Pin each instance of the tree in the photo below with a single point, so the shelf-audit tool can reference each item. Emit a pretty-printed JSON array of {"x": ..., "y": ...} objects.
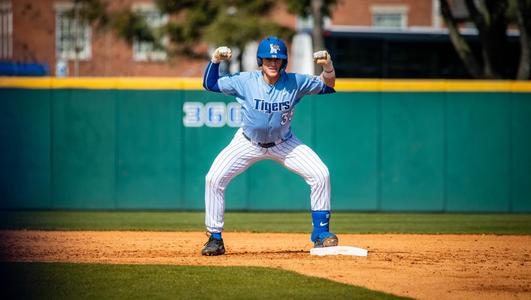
[
  {"x": 523, "y": 16},
  {"x": 92, "y": 11},
  {"x": 318, "y": 10},
  {"x": 491, "y": 18},
  {"x": 233, "y": 23}
]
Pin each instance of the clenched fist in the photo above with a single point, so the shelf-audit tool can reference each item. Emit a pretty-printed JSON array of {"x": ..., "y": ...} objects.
[
  {"x": 221, "y": 53},
  {"x": 323, "y": 58}
]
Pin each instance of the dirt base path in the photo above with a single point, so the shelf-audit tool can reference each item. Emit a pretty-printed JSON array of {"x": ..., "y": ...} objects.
[{"x": 419, "y": 266}]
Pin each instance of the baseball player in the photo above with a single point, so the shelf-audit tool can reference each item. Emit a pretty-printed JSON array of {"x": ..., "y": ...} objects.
[{"x": 268, "y": 97}]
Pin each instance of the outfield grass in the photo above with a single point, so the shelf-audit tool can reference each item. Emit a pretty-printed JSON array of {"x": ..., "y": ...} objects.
[
  {"x": 269, "y": 222},
  {"x": 89, "y": 281}
]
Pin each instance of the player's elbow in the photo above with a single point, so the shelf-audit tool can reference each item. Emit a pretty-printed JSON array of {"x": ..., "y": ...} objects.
[
  {"x": 211, "y": 85},
  {"x": 206, "y": 85},
  {"x": 329, "y": 79},
  {"x": 328, "y": 90}
]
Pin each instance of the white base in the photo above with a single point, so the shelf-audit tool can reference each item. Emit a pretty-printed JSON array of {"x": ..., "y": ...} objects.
[{"x": 338, "y": 250}]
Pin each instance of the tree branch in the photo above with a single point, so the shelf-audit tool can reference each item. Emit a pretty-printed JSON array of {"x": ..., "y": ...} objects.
[
  {"x": 460, "y": 45},
  {"x": 492, "y": 25},
  {"x": 523, "y": 15},
  {"x": 475, "y": 15},
  {"x": 317, "y": 34}
]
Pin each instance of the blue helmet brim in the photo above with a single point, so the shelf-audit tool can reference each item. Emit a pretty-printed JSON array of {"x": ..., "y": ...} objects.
[{"x": 279, "y": 56}]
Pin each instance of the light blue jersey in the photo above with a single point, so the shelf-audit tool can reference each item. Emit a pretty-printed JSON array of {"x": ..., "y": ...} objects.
[{"x": 267, "y": 109}]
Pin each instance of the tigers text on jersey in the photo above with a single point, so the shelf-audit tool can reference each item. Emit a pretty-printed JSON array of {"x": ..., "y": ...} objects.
[{"x": 267, "y": 109}]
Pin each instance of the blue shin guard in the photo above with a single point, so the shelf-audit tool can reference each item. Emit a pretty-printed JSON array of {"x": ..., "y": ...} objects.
[
  {"x": 321, "y": 224},
  {"x": 216, "y": 235}
]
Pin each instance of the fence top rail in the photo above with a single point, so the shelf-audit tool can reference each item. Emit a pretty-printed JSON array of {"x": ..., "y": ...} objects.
[{"x": 190, "y": 83}]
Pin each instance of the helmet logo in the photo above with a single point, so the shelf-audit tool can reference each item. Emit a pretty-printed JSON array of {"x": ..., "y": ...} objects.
[{"x": 274, "y": 48}]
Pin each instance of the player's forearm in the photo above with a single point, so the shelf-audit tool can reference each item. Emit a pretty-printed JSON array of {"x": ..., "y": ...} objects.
[
  {"x": 210, "y": 79},
  {"x": 211, "y": 76},
  {"x": 328, "y": 76}
]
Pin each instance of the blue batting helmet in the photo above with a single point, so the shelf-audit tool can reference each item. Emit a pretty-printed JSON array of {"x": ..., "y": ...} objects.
[{"x": 272, "y": 47}]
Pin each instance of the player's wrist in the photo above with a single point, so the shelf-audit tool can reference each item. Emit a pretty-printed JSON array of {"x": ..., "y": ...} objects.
[{"x": 328, "y": 68}]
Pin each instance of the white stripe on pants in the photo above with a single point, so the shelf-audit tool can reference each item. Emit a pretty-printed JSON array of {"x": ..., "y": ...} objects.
[{"x": 240, "y": 154}]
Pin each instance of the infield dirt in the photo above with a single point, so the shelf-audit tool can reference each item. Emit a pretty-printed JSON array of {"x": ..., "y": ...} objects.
[{"x": 419, "y": 266}]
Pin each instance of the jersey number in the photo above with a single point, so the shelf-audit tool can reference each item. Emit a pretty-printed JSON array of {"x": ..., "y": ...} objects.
[{"x": 286, "y": 117}]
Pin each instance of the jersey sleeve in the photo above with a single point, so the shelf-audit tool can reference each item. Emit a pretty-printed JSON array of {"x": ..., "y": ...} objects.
[
  {"x": 232, "y": 85},
  {"x": 311, "y": 85},
  {"x": 211, "y": 76}
]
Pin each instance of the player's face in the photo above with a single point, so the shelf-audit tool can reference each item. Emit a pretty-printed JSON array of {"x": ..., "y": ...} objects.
[{"x": 271, "y": 66}]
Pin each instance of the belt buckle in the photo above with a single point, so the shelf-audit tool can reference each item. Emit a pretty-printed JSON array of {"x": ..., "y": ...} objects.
[
  {"x": 263, "y": 145},
  {"x": 266, "y": 145},
  {"x": 271, "y": 144}
]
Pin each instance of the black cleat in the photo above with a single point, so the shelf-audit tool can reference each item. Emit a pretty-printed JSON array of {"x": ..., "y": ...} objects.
[{"x": 213, "y": 247}]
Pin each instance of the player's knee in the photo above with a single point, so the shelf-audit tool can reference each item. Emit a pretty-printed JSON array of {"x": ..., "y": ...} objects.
[
  {"x": 324, "y": 175},
  {"x": 210, "y": 180},
  {"x": 321, "y": 175}
]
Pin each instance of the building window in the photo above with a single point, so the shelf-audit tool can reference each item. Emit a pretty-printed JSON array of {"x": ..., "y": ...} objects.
[
  {"x": 155, "y": 20},
  {"x": 306, "y": 23},
  {"x": 6, "y": 30},
  {"x": 72, "y": 39},
  {"x": 387, "y": 20},
  {"x": 389, "y": 16}
]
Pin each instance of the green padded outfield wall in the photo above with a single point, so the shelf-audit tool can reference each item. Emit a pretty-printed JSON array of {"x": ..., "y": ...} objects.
[{"x": 434, "y": 146}]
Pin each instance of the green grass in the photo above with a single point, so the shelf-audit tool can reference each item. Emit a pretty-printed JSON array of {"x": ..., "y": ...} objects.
[
  {"x": 269, "y": 222},
  {"x": 90, "y": 281},
  {"x": 100, "y": 281}
]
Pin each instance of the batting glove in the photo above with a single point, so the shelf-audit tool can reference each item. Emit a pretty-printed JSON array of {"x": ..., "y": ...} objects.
[
  {"x": 221, "y": 53},
  {"x": 323, "y": 58}
]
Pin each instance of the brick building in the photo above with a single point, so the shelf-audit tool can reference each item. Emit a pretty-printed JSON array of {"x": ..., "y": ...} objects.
[{"x": 42, "y": 32}]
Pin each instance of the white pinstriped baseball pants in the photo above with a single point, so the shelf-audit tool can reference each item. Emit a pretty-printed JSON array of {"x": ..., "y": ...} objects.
[{"x": 240, "y": 154}]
